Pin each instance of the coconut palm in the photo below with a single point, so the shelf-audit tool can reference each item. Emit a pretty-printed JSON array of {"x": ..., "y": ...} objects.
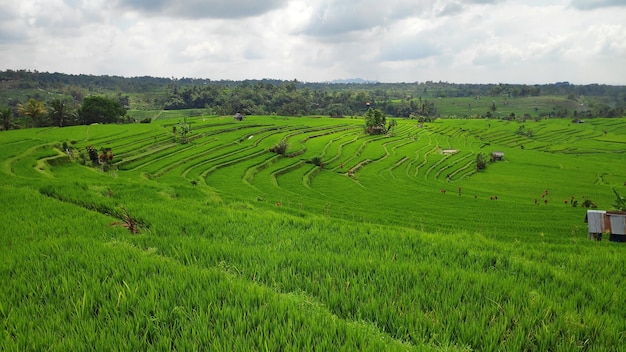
[
  {"x": 34, "y": 109},
  {"x": 6, "y": 114},
  {"x": 58, "y": 112}
]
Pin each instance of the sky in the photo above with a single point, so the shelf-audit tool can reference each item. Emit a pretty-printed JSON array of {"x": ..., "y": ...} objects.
[{"x": 456, "y": 41}]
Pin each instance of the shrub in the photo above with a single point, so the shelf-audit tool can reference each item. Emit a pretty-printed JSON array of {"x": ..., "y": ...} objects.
[
  {"x": 128, "y": 221},
  {"x": 93, "y": 154},
  {"x": 620, "y": 202},
  {"x": 481, "y": 161},
  {"x": 280, "y": 148},
  {"x": 523, "y": 131},
  {"x": 588, "y": 203}
]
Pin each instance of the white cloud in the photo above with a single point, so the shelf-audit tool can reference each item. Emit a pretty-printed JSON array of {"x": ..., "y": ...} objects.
[
  {"x": 317, "y": 40},
  {"x": 201, "y": 8},
  {"x": 596, "y": 4}
]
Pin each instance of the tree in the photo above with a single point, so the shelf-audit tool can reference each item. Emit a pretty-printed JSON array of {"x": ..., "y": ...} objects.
[
  {"x": 523, "y": 131},
  {"x": 34, "y": 109},
  {"x": 58, "y": 112},
  {"x": 185, "y": 131},
  {"x": 6, "y": 114},
  {"x": 375, "y": 121},
  {"x": 100, "y": 110},
  {"x": 280, "y": 148},
  {"x": 481, "y": 161},
  {"x": 392, "y": 124}
]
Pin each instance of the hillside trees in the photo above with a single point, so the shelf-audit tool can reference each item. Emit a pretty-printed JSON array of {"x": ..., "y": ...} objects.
[
  {"x": 295, "y": 98},
  {"x": 98, "y": 109},
  {"x": 426, "y": 108},
  {"x": 261, "y": 98}
]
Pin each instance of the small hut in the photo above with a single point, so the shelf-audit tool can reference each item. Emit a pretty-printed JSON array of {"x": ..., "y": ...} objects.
[
  {"x": 617, "y": 219},
  {"x": 597, "y": 223},
  {"x": 497, "y": 156},
  {"x": 601, "y": 222},
  {"x": 449, "y": 151},
  {"x": 238, "y": 116}
]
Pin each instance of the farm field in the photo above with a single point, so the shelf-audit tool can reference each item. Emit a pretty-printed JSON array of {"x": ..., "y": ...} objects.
[
  {"x": 392, "y": 242},
  {"x": 464, "y": 107}
]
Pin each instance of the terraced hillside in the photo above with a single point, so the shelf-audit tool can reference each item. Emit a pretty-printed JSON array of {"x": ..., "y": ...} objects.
[
  {"x": 403, "y": 174},
  {"x": 388, "y": 242}
]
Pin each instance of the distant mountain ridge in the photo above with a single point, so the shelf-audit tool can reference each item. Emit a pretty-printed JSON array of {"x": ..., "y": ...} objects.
[{"x": 351, "y": 81}]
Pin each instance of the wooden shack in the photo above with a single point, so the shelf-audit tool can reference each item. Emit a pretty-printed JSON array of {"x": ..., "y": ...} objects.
[{"x": 238, "y": 116}]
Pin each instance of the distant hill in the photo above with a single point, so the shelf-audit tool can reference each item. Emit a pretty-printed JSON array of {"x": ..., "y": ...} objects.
[{"x": 352, "y": 81}]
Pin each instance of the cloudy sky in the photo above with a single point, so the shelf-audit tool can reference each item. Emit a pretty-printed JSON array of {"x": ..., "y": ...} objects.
[{"x": 461, "y": 41}]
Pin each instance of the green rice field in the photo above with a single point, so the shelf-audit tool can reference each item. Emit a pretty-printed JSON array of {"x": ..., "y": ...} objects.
[{"x": 346, "y": 242}]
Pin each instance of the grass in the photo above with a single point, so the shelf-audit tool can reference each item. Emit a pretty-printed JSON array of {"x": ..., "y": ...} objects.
[{"x": 242, "y": 249}]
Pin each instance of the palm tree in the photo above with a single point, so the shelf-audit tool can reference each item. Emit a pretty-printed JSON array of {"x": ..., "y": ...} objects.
[
  {"x": 58, "y": 112},
  {"x": 6, "y": 114},
  {"x": 34, "y": 109}
]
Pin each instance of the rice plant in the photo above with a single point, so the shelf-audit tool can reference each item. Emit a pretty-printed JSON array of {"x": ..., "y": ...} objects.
[{"x": 231, "y": 247}]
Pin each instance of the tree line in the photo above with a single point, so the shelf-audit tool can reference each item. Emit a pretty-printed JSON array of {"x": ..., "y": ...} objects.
[
  {"x": 35, "y": 99},
  {"x": 60, "y": 113}
]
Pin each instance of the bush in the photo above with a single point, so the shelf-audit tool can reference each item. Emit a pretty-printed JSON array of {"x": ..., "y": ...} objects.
[
  {"x": 481, "y": 161},
  {"x": 145, "y": 120},
  {"x": 620, "y": 202},
  {"x": 588, "y": 203},
  {"x": 523, "y": 131},
  {"x": 93, "y": 154},
  {"x": 280, "y": 148}
]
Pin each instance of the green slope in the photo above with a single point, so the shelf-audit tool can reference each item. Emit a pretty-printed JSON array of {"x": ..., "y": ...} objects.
[{"x": 264, "y": 252}]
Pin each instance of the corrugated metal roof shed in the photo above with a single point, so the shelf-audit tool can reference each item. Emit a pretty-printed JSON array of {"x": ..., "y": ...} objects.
[
  {"x": 595, "y": 220},
  {"x": 618, "y": 222},
  {"x": 609, "y": 222},
  {"x": 596, "y": 223}
]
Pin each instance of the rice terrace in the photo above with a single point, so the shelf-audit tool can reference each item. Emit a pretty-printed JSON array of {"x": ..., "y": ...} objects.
[{"x": 270, "y": 232}]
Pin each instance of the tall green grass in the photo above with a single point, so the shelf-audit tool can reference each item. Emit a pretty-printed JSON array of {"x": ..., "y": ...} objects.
[{"x": 275, "y": 253}]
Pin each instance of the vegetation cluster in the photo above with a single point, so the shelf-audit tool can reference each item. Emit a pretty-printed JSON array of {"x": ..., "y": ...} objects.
[{"x": 37, "y": 99}]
